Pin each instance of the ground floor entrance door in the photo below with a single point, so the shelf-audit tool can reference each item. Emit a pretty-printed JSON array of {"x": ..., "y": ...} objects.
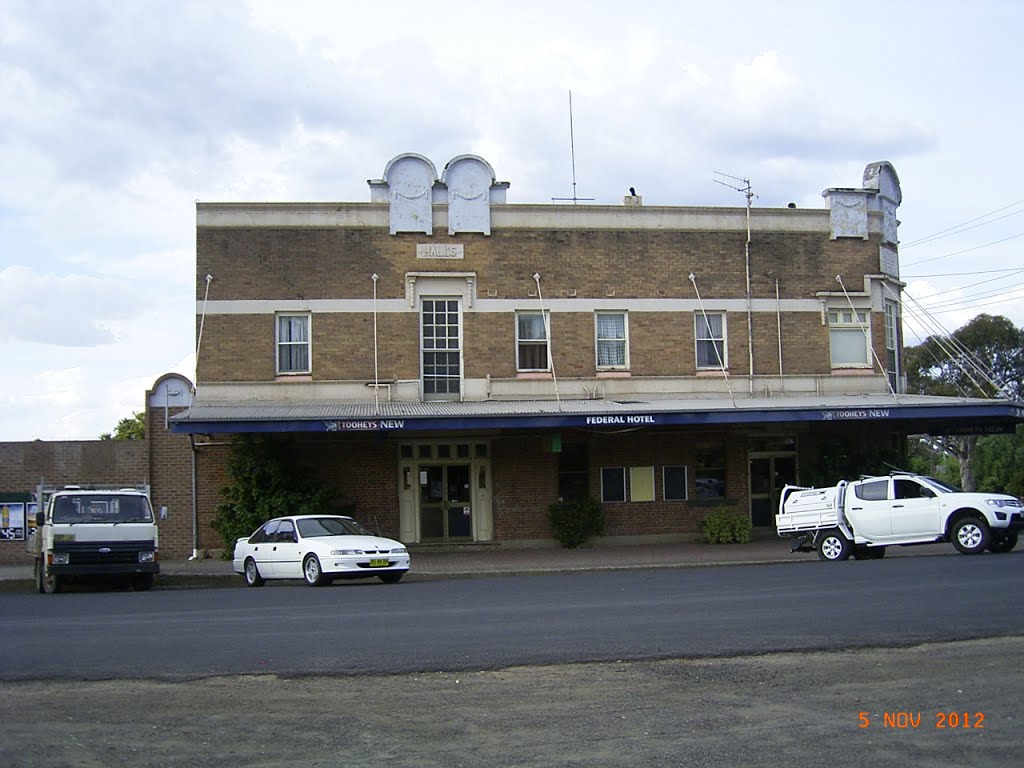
[
  {"x": 769, "y": 474},
  {"x": 446, "y": 502}
]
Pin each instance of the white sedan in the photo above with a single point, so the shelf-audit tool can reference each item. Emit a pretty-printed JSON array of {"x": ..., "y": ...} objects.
[{"x": 319, "y": 549}]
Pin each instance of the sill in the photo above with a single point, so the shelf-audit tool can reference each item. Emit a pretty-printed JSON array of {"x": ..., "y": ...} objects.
[
  {"x": 293, "y": 377},
  {"x": 613, "y": 374},
  {"x": 865, "y": 371},
  {"x": 534, "y": 375},
  {"x": 712, "y": 373}
]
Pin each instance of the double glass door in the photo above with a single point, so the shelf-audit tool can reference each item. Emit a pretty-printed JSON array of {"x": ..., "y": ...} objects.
[
  {"x": 446, "y": 502},
  {"x": 768, "y": 476}
]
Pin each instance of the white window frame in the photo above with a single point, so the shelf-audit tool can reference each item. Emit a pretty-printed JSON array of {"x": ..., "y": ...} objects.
[
  {"x": 546, "y": 341},
  {"x": 891, "y": 314},
  {"x": 307, "y": 343},
  {"x": 624, "y": 341},
  {"x": 847, "y": 322},
  {"x": 699, "y": 324}
]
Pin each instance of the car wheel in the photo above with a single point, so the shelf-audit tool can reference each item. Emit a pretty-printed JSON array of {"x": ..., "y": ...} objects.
[
  {"x": 876, "y": 553},
  {"x": 391, "y": 578},
  {"x": 860, "y": 552},
  {"x": 970, "y": 535},
  {"x": 49, "y": 583},
  {"x": 1004, "y": 543},
  {"x": 312, "y": 573},
  {"x": 834, "y": 546},
  {"x": 252, "y": 574}
]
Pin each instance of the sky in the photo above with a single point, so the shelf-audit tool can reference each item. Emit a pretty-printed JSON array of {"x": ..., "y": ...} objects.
[{"x": 116, "y": 117}]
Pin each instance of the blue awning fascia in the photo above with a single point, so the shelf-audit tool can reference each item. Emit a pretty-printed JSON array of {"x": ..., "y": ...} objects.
[{"x": 1001, "y": 415}]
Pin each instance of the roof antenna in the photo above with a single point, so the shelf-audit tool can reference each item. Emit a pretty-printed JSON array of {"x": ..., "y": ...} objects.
[
  {"x": 572, "y": 152},
  {"x": 748, "y": 193}
]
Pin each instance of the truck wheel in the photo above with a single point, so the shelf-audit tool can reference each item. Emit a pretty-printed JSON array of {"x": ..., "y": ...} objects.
[
  {"x": 252, "y": 574},
  {"x": 876, "y": 553},
  {"x": 1004, "y": 543},
  {"x": 970, "y": 535},
  {"x": 834, "y": 546},
  {"x": 49, "y": 583}
]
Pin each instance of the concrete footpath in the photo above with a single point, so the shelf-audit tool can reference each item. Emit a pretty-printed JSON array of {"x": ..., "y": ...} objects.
[{"x": 454, "y": 561}]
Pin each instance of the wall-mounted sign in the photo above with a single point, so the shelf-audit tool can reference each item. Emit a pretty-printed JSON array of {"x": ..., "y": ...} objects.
[
  {"x": 12, "y": 521},
  {"x": 439, "y": 251}
]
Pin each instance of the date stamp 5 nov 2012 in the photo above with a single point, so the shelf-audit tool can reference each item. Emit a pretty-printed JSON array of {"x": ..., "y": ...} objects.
[{"x": 940, "y": 721}]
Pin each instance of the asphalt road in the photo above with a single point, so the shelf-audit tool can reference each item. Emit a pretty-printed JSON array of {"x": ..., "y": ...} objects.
[{"x": 492, "y": 623}]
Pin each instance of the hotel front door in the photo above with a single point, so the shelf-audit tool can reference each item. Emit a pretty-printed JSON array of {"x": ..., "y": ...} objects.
[{"x": 446, "y": 503}]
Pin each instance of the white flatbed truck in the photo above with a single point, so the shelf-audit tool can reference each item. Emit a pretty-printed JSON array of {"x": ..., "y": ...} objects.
[
  {"x": 862, "y": 517},
  {"x": 85, "y": 532}
]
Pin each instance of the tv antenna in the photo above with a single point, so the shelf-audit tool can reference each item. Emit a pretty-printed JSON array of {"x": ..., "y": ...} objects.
[
  {"x": 572, "y": 152},
  {"x": 748, "y": 192}
]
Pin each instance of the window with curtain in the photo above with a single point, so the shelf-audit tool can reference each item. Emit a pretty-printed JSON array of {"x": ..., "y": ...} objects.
[
  {"x": 293, "y": 342},
  {"x": 848, "y": 333},
  {"x": 531, "y": 342},
  {"x": 612, "y": 351},
  {"x": 710, "y": 336}
]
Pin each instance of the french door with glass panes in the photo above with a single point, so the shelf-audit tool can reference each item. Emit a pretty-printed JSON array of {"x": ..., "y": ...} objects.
[{"x": 441, "y": 349}]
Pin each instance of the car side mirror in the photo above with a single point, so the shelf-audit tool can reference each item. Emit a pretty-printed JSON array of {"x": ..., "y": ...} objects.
[{"x": 40, "y": 519}]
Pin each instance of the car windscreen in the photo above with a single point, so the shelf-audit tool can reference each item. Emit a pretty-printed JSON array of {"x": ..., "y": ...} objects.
[
  {"x": 311, "y": 527},
  {"x": 105, "y": 508}
]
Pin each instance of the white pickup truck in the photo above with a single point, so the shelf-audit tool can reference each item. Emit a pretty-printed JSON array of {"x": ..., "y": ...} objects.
[{"x": 862, "y": 517}]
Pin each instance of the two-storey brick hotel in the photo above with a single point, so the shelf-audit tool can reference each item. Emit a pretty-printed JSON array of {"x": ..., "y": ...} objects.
[{"x": 453, "y": 363}]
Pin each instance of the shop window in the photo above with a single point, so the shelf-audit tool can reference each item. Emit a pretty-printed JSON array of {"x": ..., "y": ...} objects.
[
  {"x": 709, "y": 473},
  {"x": 641, "y": 483},
  {"x": 674, "y": 483},
  {"x": 613, "y": 484}
]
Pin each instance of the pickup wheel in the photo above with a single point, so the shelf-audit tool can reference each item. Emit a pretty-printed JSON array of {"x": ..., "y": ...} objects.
[
  {"x": 1004, "y": 543},
  {"x": 970, "y": 535},
  {"x": 834, "y": 546},
  {"x": 876, "y": 553}
]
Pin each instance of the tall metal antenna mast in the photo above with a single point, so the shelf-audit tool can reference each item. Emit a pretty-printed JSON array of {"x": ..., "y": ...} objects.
[
  {"x": 572, "y": 152},
  {"x": 747, "y": 192}
]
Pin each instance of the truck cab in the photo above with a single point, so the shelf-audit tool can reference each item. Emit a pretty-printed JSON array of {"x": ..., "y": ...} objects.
[{"x": 94, "y": 532}]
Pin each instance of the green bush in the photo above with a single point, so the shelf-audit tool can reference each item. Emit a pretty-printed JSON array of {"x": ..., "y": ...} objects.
[
  {"x": 724, "y": 526},
  {"x": 265, "y": 482},
  {"x": 574, "y": 522}
]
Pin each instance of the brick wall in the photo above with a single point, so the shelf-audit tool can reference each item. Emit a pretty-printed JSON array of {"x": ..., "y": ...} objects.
[
  {"x": 297, "y": 263},
  {"x": 23, "y": 465}
]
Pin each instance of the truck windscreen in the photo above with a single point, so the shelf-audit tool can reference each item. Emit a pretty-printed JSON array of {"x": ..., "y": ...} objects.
[{"x": 107, "y": 508}]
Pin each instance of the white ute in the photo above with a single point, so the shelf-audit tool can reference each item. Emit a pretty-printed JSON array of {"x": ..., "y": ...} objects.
[{"x": 862, "y": 517}]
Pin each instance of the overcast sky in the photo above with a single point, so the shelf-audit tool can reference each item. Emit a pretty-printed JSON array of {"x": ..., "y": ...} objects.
[{"x": 115, "y": 117}]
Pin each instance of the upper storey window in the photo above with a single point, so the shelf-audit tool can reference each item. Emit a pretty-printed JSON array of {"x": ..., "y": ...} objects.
[
  {"x": 532, "y": 342},
  {"x": 293, "y": 344},
  {"x": 848, "y": 334},
  {"x": 709, "y": 331},
  {"x": 612, "y": 346}
]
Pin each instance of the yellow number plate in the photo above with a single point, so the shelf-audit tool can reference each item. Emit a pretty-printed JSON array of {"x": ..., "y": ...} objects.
[{"x": 379, "y": 562}]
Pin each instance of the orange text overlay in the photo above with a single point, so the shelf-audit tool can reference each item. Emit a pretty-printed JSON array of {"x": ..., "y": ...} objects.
[{"x": 911, "y": 720}]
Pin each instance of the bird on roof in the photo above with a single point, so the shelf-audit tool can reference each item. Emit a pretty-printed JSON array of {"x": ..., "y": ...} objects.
[{"x": 632, "y": 192}]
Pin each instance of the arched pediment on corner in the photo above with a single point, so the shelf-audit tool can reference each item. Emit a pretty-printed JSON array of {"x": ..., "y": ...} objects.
[{"x": 408, "y": 182}]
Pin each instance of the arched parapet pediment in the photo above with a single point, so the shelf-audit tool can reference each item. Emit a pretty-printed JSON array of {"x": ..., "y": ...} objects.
[
  {"x": 408, "y": 188},
  {"x": 471, "y": 186}
]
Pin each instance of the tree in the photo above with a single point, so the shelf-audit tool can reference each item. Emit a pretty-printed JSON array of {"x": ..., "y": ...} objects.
[
  {"x": 130, "y": 428},
  {"x": 266, "y": 482},
  {"x": 984, "y": 358}
]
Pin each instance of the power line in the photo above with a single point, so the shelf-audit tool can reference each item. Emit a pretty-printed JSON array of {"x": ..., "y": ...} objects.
[
  {"x": 957, "y": 227},
  {"x": 966, "y": 250},
  {"x": 958, "y": 274}
]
